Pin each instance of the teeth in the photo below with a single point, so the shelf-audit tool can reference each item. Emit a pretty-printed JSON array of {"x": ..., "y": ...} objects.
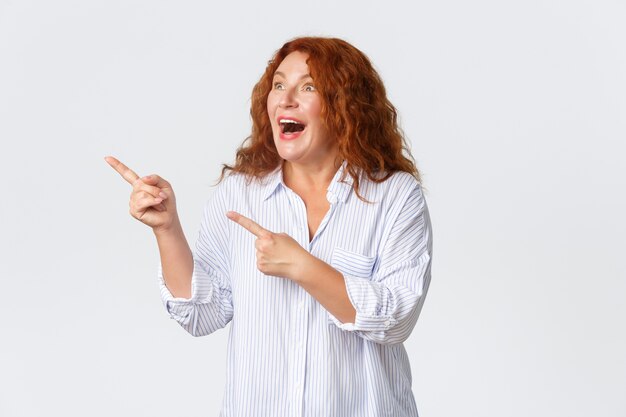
[{"x": 287, "y": 121}]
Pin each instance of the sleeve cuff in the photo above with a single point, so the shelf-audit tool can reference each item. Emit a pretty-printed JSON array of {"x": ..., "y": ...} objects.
[
  {"x": 180, "y": 308},
  {"x": 364, "y": 296}
]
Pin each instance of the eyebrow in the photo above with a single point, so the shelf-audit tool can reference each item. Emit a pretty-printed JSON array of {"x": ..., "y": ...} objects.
[{"x": 284, "y": 76}]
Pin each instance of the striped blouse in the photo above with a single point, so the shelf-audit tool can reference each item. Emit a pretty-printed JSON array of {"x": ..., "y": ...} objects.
[{"x": 287, "y": 355}]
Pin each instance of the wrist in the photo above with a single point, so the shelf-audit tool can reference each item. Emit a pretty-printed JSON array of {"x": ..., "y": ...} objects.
[
  {"x": 302, "y": 267},
  {"x": 174, "y": 228}
]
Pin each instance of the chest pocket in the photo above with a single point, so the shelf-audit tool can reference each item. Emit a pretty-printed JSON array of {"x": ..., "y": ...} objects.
[{"x": 352, "y": 263}]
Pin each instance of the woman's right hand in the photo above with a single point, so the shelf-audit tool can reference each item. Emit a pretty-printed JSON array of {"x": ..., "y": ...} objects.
[{"x": 152, "y": 200}]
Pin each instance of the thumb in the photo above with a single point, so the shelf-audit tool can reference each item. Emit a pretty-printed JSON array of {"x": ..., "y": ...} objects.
[{"x": 156, "y": 181}]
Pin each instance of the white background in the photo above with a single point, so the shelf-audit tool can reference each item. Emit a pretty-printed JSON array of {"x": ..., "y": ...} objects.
[{"x": 516, "y": 116}]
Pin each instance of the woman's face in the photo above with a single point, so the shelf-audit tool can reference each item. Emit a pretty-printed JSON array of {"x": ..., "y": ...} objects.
[{"x": 294, "y": 107}]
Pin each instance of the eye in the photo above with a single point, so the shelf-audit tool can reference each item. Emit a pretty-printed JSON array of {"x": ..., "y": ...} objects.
[
  {"x": 278, "y": 86},
  {"x": 309, "y": 87}
]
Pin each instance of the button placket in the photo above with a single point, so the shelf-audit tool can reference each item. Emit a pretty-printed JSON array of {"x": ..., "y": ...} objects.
[
  {"x": 301, "y": 218},
  {"x": 298, "y": 354},
  {"x": 300, "y": 223}
]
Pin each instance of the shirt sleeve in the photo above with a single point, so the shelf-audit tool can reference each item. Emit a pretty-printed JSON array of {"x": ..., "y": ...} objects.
[
  {"x": 389, "y": 302},
  {"x": 210, "y": 307}
]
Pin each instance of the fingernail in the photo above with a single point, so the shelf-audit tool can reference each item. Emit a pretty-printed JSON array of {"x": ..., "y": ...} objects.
[
  {"x": 158, "y": 200},
  {"x": 162, "y": 194}
]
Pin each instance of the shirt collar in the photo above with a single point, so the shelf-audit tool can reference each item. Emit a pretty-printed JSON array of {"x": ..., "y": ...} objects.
[
  {"x": 337, "y": 190},
  {"x": 271, "y": 181}
]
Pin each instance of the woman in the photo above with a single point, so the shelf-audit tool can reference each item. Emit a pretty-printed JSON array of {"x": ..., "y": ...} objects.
[{"x": 316, "y": 244}]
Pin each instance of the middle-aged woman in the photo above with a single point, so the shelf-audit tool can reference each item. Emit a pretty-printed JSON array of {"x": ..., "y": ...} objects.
[{"x": 316, "y": 244}]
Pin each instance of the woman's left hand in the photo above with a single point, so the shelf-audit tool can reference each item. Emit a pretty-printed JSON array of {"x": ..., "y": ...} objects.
[{"x": 277, "y": 254}]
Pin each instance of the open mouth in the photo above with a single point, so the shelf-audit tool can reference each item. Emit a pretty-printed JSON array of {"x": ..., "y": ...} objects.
[{"x": 290, "y": 126}]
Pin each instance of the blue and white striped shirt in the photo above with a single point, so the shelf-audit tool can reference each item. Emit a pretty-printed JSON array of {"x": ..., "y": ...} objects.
[{"x": 288, "y": 356}]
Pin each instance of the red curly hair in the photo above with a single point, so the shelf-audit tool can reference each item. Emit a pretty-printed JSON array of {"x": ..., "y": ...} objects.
[{"x": 355, "y": 110}]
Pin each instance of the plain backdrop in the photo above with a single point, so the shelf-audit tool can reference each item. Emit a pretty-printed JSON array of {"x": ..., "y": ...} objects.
[{"x": 516, "y": 114}]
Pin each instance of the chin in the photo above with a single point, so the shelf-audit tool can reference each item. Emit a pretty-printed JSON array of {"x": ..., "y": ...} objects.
[
  {"x": 288, "y": 151},
  {"x": 288, "y": 156}
]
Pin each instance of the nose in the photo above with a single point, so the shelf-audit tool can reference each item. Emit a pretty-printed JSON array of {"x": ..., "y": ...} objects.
[{"x": 288, "y": 99}]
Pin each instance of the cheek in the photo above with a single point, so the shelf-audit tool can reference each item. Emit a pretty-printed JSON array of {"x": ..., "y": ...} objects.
[
  {"x": 316, "y": 107},
  {"x": 271, "y": 110},
  {"x": 315, "y": 114},
  {"x": 269, "y": 105},
  {"x": 314, "y": 110},
  {"x": 272, "y": 102}
]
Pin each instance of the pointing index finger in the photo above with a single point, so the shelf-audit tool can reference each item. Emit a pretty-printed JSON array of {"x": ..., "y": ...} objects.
[
  {"x": 246, "y": 223},
  {"x": 126, "y": 173}
]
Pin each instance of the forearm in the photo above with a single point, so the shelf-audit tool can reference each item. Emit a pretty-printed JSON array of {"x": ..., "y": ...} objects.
[
  {"x": 176, "y": 260},
  {"x": 327, "y": 286}
]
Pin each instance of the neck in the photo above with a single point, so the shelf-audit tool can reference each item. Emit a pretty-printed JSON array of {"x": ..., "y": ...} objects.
[{"x": 311, "y": 177}]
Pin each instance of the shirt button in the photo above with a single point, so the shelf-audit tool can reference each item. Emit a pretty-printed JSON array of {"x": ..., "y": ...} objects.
[{"x": 387, "y": 323}]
